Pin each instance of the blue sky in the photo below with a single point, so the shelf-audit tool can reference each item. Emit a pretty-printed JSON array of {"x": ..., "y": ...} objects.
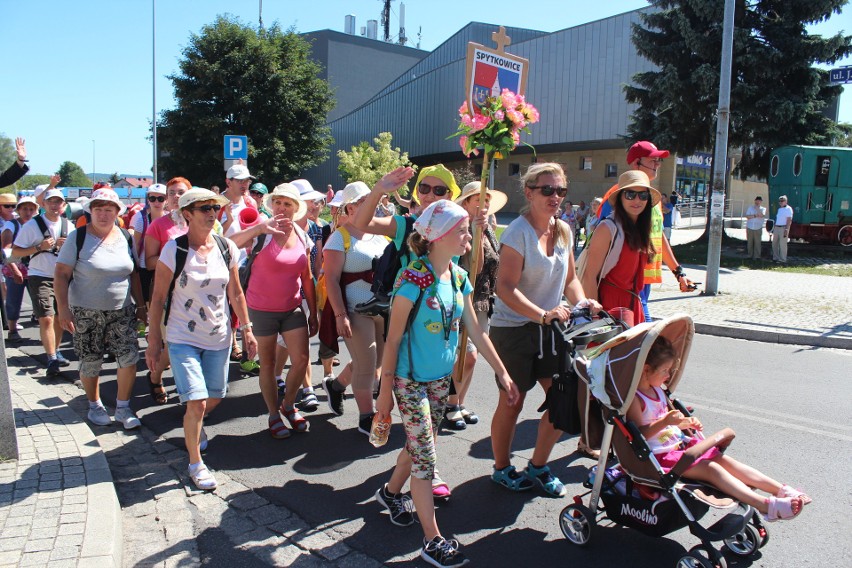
[{"x": 78, "y": 71}]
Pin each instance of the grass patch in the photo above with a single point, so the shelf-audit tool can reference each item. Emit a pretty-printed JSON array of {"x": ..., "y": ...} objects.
[{"x": 834, "y": 264}]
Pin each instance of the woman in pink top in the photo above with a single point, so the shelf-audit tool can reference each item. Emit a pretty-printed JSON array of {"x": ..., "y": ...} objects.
[
  {"x": 159, "y": 232},
  {"x": 278, "y": 271}
]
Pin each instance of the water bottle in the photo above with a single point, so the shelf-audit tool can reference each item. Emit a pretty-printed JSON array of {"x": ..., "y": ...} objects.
[{"x": 380, "y": 430}]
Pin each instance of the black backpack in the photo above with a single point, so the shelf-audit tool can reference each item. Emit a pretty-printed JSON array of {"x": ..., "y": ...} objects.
[
  {"x": 385, "y": 270},
  {"x": 80, "y": 237},
  {"x": 45, "y": 231},
  {"x": 180, "y": 261},
  {"x": 245, "y": 269}
]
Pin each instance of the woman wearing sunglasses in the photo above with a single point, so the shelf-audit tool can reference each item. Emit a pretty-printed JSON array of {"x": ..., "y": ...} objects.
[
  {"x": 536, "y": 269},
  {"x": 155, "y": 207},
  {"x": 198, "y": 333}
]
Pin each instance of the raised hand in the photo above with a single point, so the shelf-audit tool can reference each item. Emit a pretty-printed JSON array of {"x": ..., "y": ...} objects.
[
  {"x": 394, "y": 180},
  {"x": 21, "y": 149}
]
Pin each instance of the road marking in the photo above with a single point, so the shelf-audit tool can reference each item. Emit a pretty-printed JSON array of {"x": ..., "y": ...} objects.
[{"x": 779, "y": 423}]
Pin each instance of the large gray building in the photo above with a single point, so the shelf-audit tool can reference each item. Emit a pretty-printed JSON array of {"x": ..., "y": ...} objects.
[{"x": 575, "y": 80}]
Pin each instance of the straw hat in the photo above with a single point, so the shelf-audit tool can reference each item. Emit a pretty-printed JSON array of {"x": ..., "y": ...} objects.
[
  {"x": 634, "y": 179},
  {"x": 498, "y": 198},
  {"x": 8, "y": 199},
  {"x": 197, "y": 194},
  {"x": 291, "y": 192}
]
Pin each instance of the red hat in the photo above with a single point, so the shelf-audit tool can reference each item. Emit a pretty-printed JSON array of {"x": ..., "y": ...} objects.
[{"x": 645, "y": 149}]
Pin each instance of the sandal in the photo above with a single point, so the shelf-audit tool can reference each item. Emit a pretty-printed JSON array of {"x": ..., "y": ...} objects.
[
  {"x": 509, "y": 478},
  {"x": 469, "y": 417},
  {"x": 297, "y": 422},
  {"x": 440, "y": 489},
  {"x": 546, "y": 480},
  {"x": 781, "y": 508},
  {"x": 236, "y": 355},
  {"x": 587, "y": 451},
  {"x": 202, "y": 478},
  {"x": 277, "y": 429},
  {"x": 453, "y": 418},
  {"x": 792, "y": 492},
  {"x": 158, "y": 391}
]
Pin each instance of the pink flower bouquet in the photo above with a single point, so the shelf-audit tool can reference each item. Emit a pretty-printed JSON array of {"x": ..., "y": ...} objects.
[{"x": 496, "y": 126}]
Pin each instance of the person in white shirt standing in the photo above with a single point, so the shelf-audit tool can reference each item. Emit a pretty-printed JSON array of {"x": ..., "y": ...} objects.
[
  {"x": 781, "y": 230},
  {"x": 756, "y": 215},
  {"x": 40, "y": 239}
]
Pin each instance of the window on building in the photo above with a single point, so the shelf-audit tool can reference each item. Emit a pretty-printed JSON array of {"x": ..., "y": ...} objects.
[
  {"x": 514, "y": 169},
  {"x": 797, "y": 165},
  {"x": 611, "y": 170},
  {"x": 773, "y": 166},
  {"x": 586, "y": 163}
]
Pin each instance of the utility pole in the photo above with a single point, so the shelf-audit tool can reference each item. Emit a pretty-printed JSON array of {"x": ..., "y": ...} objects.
[
  {"x": 720, "y": 156},
  {"x": 386, "y": 19},
  {"x": 154, "y": 83},
  {"x": 260, "y": 13}
]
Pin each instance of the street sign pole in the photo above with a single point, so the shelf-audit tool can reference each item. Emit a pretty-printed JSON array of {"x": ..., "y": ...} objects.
[{"x": 720, "y": 157}]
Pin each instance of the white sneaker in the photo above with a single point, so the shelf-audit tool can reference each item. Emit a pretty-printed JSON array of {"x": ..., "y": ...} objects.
[
  {"x": 202, "y": 478},
  {"x": 127, "y": 418},
  {"x": 99, "y": 416}
]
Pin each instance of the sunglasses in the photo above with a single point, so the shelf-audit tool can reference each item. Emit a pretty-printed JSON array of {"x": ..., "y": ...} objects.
[
  {"x": 157, "y": 198},
  {"x": 207, "y": 208},
  {"x": 7, "y": 206},
  {"x": 259, "y": 193},
  {"x": 438, "y": 190},
  {"x": 630, "y": 195},
  {"x": 548, "y": 190}
]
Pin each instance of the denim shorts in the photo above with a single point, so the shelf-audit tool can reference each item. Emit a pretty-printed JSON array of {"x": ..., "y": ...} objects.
[{"x": 199, "y": 373}]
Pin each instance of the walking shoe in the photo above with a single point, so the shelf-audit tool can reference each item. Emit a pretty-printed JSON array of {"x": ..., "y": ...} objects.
[
  {"x": 309, "y": 401},
  {"x": 127, "y": 418},
  {"x": 399, "y": 506},
  {"x": 453, "y": 418},
  {"x": 333, "y": 398},
  {"x": 282, "y": 386},
  {"x": 202, "y": 478},
  {"x": 99, "y": 416},
  {"x": 52, "y": 368},
  {"x": 13, "y": 337},
  {"x": 469, "y": 417},
  {"x": 542, "y": 477},
  {"x": 366, "y": 424},
  {"x": 63, "y": 362},
  {"x": 251, "y": 367},
  {"x": 442, "y": 552},
  {"x": 202, "y": 441}
]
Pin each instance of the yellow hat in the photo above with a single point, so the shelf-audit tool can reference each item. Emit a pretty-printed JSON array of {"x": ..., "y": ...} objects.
[
  {"x": 443, "y": 174},
  {"x": 8, "y": 199}
]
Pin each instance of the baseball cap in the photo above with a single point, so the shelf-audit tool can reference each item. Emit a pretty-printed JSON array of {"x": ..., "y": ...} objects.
[
  {"x": 239, "y": 171},
  {"x": 337, "y": 200},
  {"x": 39, "y": 189},
  {"x": 645, "y": 149},
  {"x": 158, "y": 188}
]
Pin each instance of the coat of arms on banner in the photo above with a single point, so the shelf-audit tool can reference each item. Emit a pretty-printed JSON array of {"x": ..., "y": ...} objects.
[{"x": 489, "y": 71}]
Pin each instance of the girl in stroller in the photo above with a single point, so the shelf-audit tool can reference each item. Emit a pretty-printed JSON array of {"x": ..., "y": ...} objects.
[{"x": 663, "y": 428}]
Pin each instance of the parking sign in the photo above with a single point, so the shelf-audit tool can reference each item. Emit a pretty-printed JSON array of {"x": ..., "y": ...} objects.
[{"x": 236, "y": 147}]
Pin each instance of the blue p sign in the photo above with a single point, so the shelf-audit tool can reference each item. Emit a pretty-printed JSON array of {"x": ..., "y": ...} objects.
[{"x": 236, "y": 147}]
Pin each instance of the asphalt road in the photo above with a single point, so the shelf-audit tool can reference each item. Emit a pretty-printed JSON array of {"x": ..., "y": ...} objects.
[{"x": 790, "y": 407}]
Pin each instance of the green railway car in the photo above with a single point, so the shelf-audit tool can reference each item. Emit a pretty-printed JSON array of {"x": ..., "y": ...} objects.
[{"x": 817, "y": 181}]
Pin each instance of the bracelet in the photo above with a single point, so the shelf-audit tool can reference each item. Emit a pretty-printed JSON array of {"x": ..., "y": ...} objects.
[
  {"x": 343, "y": 315},
  {"x": 245, "y": 326},
  {"x": 543, "y": 317}
]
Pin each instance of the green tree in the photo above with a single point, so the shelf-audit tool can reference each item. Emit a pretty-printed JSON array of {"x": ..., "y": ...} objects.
[
  {"x": 114, "y": 178},
  {"x": 73, "y": 176},
  {"x": 234, "y": 79},
  {"x": 29, "y": 181},
  {"x": 777, "y": 95},
  {"x": 7, "y": 152},
  {"x": 369, "y": 163},
  {"x": 844, "y": 135}
]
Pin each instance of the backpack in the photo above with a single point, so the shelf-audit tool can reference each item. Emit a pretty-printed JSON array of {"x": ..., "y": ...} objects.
[
  {"x": 80, "y": 237},
  {"x": 612, "y": 255},
  {"x": 385, "y": 270},
  {"x": 146, "y": 220},
  {"x": 45, "y": 231},
  {"x": 321, "y": 289},
  {"x": 245, "y": 269},
  {"x": 180, "y": 261}
]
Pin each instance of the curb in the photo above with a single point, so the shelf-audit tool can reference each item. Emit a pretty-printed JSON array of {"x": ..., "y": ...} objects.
[
  {"x": 773, "y": 336},
  {"x": 103, "y": 536}
]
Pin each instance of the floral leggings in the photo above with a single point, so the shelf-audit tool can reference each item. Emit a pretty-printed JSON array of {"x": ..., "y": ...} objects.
[{"x": 422, "y": 408}]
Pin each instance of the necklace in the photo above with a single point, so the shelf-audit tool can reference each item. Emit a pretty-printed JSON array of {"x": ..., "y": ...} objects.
[{"x": 446, "y": 316}]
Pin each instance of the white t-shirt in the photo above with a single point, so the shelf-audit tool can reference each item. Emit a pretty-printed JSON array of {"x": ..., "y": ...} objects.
[
  {"x": 30, "y": 235},
  {"x": 756, "y": 222},
  {"x": 359, "y": 258},
  {"x": 542, "y": 278},
  {"x": 199, "y": 312},
  {"x": 784, "y": 215},
  {"x": 137, "y": 224}
]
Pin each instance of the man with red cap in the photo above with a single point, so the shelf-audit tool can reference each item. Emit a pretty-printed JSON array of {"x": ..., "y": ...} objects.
[{"x": 646, "y": 157}]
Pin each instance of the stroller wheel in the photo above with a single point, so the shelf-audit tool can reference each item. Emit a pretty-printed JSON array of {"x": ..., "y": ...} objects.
[
  {"x": 693, "y": 561},
  {"x": 576, "y": 522},
  {"x": 758, "y": 524},
  {"x": 710, "y": 557},
  {"x": 744, "y": 543}
]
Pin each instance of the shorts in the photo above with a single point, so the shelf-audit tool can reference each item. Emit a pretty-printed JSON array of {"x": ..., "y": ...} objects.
[
  {"x": 264, "y": 324},
  {"x": 669, "y": 459},
  {"x": 98, "y": 332},
  {"x": 518, "y": 348},
  {"x": 199, "y": 373},
  {"x": 484, "y": 323},
  {"x": 42, "y": 296},
  {"x": 146, "y": 279}
]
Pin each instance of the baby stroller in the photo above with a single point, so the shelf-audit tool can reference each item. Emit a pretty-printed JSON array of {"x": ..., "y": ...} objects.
[{"x": 637, "y": 493}]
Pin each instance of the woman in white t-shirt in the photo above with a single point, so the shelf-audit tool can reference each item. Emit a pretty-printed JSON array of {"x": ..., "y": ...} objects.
[
  {"x": 348, "y": 268},
  {"x": 198, "y": 330}
]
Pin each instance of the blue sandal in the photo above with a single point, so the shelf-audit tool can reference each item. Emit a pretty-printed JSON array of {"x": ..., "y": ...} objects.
[
  {"x": 509, "y": 478},
  {"x": 542, "y": 477}
]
